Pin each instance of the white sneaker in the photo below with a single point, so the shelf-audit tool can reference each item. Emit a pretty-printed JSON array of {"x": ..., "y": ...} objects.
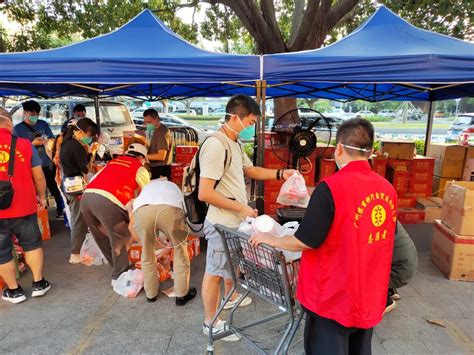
[
  {"x": 247, "y": 300},
  {"x": 113, "y": 282},
  {"x": 219, "y": 328},
  {"x": 75, "y": 259}
]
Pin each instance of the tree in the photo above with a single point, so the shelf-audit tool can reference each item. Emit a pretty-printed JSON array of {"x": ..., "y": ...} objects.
[{"x": 55, "y": 23}]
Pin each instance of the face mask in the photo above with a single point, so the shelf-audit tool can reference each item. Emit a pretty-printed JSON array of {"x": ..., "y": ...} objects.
[
  {"x": 86, "y": 140},
  {"x": 150, "y": 127},
  {"x": 245, "y": 133},
  {"x": 77, "y": 117},
  {"x": 33, "y": 119}
]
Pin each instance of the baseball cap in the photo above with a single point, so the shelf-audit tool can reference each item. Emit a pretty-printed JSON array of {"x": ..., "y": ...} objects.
[{"x": 136, "y": 149}]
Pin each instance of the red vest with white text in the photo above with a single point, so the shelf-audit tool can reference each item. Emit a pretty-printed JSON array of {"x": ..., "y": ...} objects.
[
  {"x": 118, "y": 178},
  {"x": 24, "y": 197},
  {"x": 346, "y": 278}
]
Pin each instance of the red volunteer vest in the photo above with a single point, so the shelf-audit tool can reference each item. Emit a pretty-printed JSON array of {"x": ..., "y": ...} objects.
[
  {"x": 346, "y": 278},
  {"x": 118, "y": 178},
  {"x": 24, "y": 198}
]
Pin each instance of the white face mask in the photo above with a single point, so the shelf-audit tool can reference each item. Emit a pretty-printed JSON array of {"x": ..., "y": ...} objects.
[{"x": 362, "y": 150}]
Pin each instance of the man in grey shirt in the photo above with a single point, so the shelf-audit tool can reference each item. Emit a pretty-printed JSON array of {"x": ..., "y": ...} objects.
[{"x": 160, "y": 145}]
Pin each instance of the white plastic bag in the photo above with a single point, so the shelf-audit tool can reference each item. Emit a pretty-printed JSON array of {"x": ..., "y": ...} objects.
[
  {"x": 294, "y": 192},
  {"x": 90, "y": 252},
  {"x": 129, "y": 283}
]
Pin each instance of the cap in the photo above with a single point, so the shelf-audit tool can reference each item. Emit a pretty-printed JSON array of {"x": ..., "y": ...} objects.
[{"x": 137, "y": 149}]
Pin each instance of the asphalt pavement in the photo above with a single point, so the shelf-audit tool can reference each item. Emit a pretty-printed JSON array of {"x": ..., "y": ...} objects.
[{"x": 83, "y": 315}]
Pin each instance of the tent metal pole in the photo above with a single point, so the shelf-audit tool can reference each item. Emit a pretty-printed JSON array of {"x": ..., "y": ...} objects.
[
  {"x": 262, "y": 86},
  {"x": 429, "y": 126},
  {"x": 97, "y": 115}
]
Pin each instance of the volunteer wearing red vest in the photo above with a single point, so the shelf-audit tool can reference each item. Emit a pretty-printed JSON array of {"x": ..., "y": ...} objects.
[
  {"x": 347, "y": 241},
  {"x": 104, "y": 200},
  {"x": 20, "y": 218}
]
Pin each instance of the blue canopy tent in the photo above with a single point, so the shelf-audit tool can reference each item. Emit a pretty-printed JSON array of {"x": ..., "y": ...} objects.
[
  {"x": 386, "y": 58},
  {"x": 142, "y": 58}
]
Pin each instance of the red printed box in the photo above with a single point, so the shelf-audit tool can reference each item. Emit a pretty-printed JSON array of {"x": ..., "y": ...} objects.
[
  {"x": 406, "y": 201},
  {"x": 423, "y": 186},
  {"x": 186, "y": 150},
  {"x": 327, "y": 167},
  {"x": 396, "y": 163},
  {"x": 135, "y": 253},
  {"x": 423, "y": 164},
  {"x": 43, "y": 224},
  {"x": 379, "y": 165},
  {"x": 410, "y": 215},
  {"x": 399, "y": 179},
  {"x": 276, "y": 157},
  {"x": 273, "y": 184}
]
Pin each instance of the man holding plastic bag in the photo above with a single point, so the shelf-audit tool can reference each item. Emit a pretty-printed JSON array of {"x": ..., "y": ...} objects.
[
  {"x": 347, "y": 239},
  {"x": 225, "y": 192}
]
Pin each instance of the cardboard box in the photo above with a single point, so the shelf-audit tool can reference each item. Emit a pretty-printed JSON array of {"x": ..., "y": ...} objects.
[
  {"x": 439, "y": 185},
  {"x": 431, "y": 206},
  {"x": 395, "y": 163},
  {"x": 423, "y": 164},
  {"x": 43, "y": 224},
  {"x": 276, "y": 157},
  {"x": 424, "y": 187},
  {"x": 406, "y": 201},
  {"x": 458, "y": 207},
  {"x": 468, "y": 169},
  {"x": 327, "y": 167},
  {"x": 135, "y": 253},
  {"x": 452, "y": 253},
  {"x": 379, "y": 164},
  {"x": 395, "y": 149},
  {"x": 399, "y": 177},
  {"x": 410, "y": 215},
  {"x": 449, "y": 159}
]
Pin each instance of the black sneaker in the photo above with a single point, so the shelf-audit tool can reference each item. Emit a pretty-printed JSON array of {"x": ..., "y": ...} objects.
[
  {"x": 14, "y": 296},
  {"x": 59, "y": 216},
  {"x": 40, "y": 288},
  {"x": 181, "y": 301},
  {"x": 151, "y": 300}
]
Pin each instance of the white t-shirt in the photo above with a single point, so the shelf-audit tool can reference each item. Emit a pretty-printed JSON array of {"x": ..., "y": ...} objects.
[
  {"x": 232, "y": 184},
  {"x": 159, "y": 192}
]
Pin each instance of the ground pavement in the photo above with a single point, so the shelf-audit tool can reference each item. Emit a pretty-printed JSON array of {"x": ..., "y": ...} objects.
[{"x": 81, "y": 313}]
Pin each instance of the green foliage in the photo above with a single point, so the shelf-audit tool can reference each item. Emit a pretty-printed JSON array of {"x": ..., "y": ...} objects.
[
  {"x": 420, "y": 146},
  {"x": 248, "y": 148}
]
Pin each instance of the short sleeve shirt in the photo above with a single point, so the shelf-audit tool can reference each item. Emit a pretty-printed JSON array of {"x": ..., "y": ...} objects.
[
  {"x": 232, "y": 183},
  {"x": 161, "y": 140},
  {"x": 42, "y": 128}
]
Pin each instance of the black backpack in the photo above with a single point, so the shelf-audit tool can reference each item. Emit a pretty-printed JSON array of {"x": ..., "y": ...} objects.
[{"x": 196, "y": 210}]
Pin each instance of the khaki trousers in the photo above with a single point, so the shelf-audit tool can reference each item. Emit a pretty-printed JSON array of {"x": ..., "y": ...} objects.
[{"x": 148, "y": 221}]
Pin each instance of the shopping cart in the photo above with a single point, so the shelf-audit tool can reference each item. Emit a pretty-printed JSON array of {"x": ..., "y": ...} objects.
[{"x": 267, "y": 275}]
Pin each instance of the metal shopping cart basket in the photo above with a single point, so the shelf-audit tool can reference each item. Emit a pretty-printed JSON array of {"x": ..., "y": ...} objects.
[{"x": 266, "y": 274}]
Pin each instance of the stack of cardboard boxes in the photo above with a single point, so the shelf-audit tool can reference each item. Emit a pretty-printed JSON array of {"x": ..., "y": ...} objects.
[
  {"x": 453, "y": 238},
  {"x": 412, "y": 177},
  {"x": 182, "y": 158},
  {"x": 314, "y": 168}
]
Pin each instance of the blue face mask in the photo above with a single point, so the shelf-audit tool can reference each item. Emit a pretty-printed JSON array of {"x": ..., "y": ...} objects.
[
  {"x": 86, "y": 140},
  {"x": 150, "y": 127},
  {"x": 246, "y": 133}
]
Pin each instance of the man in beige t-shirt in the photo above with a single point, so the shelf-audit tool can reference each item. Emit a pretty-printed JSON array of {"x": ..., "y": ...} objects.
[
  {"x": 160, "y": 150},
  {"x": 227, "y": 201}
]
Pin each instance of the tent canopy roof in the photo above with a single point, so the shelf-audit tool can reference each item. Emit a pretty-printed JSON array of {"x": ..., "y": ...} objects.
[
  {"x": 142, "y": 52},
  {"x": 386, "y": 58}
]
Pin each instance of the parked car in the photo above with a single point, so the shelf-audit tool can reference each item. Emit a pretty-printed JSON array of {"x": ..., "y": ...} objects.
[
  {"x": 364, "y": 114},
  {"x": 138, "y": 113},
  {"x": 114, "y": 117},
  {"x": 463, "y": 122},
  {"x": 184, "y": 112},
  {"x": 387, "y": 113},
  {"x": 219, "y": 112}
]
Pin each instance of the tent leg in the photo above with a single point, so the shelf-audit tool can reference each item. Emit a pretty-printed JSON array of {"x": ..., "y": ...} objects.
[
  {"x": 261, "y": 146},
  {"x": 97, "y": 111},
  {"x": 429, "y": 126}
]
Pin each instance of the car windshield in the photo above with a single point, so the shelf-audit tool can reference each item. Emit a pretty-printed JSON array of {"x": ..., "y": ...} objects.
[
  {"x": 464, "y": 120},
  {"x": 111, "y": 114}
]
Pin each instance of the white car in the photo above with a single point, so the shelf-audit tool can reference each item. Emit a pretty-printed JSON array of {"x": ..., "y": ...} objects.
[
  {"x": 219, "y": 112},
  {"x": 365, "y": 113},
  {"x": 387, "y": 113},
  {"x": 184, "y": 112}
]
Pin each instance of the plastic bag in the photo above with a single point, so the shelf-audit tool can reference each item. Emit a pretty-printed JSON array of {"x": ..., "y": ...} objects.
[
  {"x": 90, "y": 252},
  {"x": 294, "y": 192},
  {"x": 129, "y": 283}
]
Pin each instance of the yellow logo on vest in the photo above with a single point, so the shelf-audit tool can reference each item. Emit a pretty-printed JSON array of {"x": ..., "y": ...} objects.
[
  {"x": 4, "y": 157},
  {"x": 378, "y": 215}
]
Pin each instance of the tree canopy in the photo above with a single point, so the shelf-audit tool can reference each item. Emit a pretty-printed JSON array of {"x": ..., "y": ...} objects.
[{"x": 242, "y": 26}]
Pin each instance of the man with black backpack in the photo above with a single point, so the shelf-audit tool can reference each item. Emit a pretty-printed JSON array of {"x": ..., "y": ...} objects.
[
  {"x": 22, "y": 188},
  {"x": 223, "y": 168}
]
